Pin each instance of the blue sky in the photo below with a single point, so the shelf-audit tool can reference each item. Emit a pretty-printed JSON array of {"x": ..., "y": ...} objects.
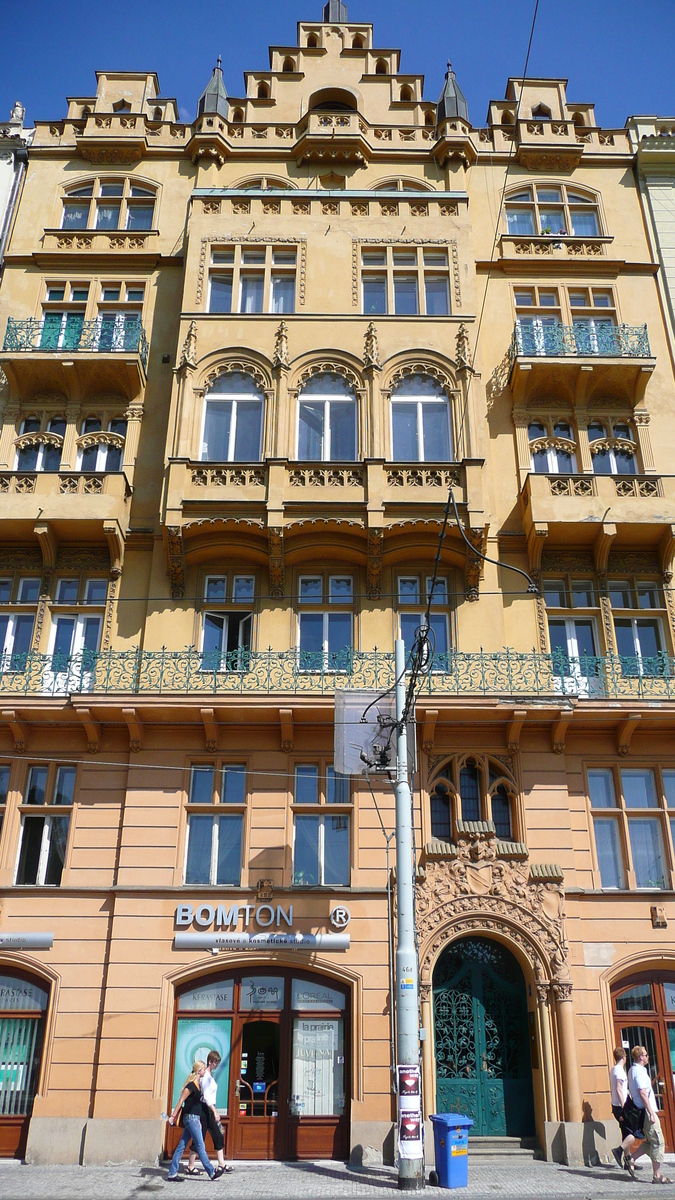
[{"x": 616, "y": 53}]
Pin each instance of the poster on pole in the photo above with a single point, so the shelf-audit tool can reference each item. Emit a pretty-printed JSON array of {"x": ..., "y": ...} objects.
[
  {"x": 410, "y": 1135},
  {"x": 409, "y": 1095},
  {"x": 409, "y": 1111}
]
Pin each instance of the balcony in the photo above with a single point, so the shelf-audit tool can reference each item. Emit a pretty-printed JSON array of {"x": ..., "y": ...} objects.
[
  {"x": 104, "y": 354},
  {"x": 184, "y": 673},
  {"x": 614, "y": 356},
  {"x": 339, "y": 137},
  {"x": 595, "y": 510},
  {"x": 57, "y": 498}
]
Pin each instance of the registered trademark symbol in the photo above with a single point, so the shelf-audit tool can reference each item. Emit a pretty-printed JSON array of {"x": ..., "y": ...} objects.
[{"x": 340, "y": 916}]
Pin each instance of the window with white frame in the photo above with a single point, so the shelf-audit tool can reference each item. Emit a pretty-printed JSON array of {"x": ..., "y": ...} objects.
[
  {"x": 327, "y": 420},
  {"x": 215, "y": 824},
  {"x": 321, "y": 836},
  {"x": 551, "y": 210},
  {"x": 325, "y": 622},
  {"x": 630, "y": 810},
  {"x": 639, "y": 638},
  {"x": 227, "y": 622},
  {"x": 18, "y": 608},
  {"x": 538, "y": 320},
  {"x": 593, "y": 320},
  {"x": 233, "y": 420},
  {"x": 120, "y": 309},
  {"x": 413, "y": 595},
  {"x": 50, "y": 789},
  {"x": 40, "y": 448},
  {"x": 613, "y": 447},
  {"x": 107, "y": 203},
  {"x": 99, "y": 449},
  {"x": 75, "y": 635},
  {"x": 405, "y": 280},
  {"x": 421, "y": 425},
  {"x": 552, "y": 447},
  {"x": 253, "y": 279}
]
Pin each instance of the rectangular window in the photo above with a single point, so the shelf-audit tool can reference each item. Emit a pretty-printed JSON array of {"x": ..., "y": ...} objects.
[
  {"x": 321, "y": 850},
  {"x": 647, "y": 851},
  {"x": 374, "y": 295},
  {"x": 337, "y": 787},
  {"x": 232, "y": 431},
  {"x": 201, "y": 785},
  {"x": 108, "y": 216},
  {"x": 405, "y": 295},
  {"x": 95, "y": 591},
  {"x": 283, "y": 293},
  {"x": 234, "y": 784},
  {"x": 252, "y": 292},
  {"x": 213, "y": 854},
  {"x": 44, "y": 838},
  {"x": 437, "y": 295},
  {"x": 226, "y": 641},
  {"x": 608, "y": 850},
  {"x": 638, "y": 789},
  {"x": 139, "y": 216},
  {"x": 220, "y": 295},
  {"x": 638, "y": 642},
  {"x": 306, "y": 784}
]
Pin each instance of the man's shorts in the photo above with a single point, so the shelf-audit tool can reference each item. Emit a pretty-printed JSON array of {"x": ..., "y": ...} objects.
[{"x": 655, "y": 1145}]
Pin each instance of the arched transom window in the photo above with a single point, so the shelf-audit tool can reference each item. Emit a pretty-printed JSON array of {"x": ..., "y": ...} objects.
[
  {"x": 233, "y": 420},
  {"x": 552, "y": 209},
  {"x": 421, "y": 425},
  {"x": 327, "y": 419}
]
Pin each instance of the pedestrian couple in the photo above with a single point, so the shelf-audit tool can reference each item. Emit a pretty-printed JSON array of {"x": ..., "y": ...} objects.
[
  {"x": 197, "y": 1108},
  {"x": 634, "y": 1106}
]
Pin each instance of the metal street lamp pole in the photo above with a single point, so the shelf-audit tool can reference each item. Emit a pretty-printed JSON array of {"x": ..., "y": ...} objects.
[{"x": 411, "y": 1161}]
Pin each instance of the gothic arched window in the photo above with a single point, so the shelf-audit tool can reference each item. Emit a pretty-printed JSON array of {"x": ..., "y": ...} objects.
[
  {"x": 233, "y": 420},
  {"x": 327, "y": 419}
]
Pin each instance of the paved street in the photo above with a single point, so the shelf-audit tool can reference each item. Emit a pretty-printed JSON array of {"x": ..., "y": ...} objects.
[{"x": 294, "y": 1181}]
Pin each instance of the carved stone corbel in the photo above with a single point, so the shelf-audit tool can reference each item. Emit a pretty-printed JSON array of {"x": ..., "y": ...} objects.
[
  {"x": 176, "y": 557},
  {"x": 514, "y": 729},
  {"x": 287, "y": 732},
  {"x": 559, "y": 730},
  {"x": 626, "y": 731},
  {"x": 91, "y": 728},
  {"x": 473, "y": 564},
  {"x": 603, "y": 544},
  {"x": 115, "y": 540},
  {"x": 429, "y": 730},
  {"x": 18, "y": 730},
  {"x": 280, "y": 357},
  {"x": 135, "y": 727},
  {"x": 536, "y": 539},
  {"x": 371, "y": 349},
  {"x": 188, "y": 355},
  {"x": 48, "y": 544},
  {"x": 210, "y": 729},
  {"x": 374, "y": 570},
  {"x": 275, "y": 550}
]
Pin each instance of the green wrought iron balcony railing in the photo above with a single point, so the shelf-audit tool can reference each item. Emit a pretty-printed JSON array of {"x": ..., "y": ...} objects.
[
  {"x": 111, "y": 333},
  {"x": 267, "y": 672},
  {"x": 537, "y": 337}
]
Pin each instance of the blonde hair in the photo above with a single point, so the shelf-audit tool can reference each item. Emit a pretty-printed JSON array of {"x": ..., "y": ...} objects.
[
  {"x": 197, "y": 1066},
  {"x": 637, "y": 1052}
]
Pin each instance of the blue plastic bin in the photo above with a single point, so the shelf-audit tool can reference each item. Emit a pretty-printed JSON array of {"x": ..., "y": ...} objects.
[{"x": 451, "y": 1145}]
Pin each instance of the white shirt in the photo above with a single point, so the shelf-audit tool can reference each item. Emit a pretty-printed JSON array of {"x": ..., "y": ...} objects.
[
  {"x": 618, "y": 1084},
  {"x": 638, "y": 1077},
  {"x": 209, "y": 1089}
]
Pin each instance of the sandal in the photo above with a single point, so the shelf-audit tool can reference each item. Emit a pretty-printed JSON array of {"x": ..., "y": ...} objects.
[
  {"x": 629, "y": 1164},
  {"x": 192, "y": 1171},
  {"x": 662, "y": 1179}
]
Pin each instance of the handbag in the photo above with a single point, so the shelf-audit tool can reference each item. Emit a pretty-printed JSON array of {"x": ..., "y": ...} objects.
[{"x": 633, "y": 1117}]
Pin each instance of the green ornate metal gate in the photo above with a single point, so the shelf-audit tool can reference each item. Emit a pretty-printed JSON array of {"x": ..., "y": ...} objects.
[{"x": 482, "y": 1051}]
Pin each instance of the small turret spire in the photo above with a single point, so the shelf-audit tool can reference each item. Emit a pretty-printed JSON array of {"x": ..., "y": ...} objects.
[
  {"x": 452, "y": 102},
  {"x": 335, "y": 11},
  {"x": 214, "y": 97}
]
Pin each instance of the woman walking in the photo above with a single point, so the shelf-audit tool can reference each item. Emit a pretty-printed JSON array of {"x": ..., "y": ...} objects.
[
  {"x": 190, "y": 1100},
  {"x": 210, "y": 1118}
]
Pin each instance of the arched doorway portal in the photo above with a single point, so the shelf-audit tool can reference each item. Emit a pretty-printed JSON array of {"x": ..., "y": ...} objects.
[
  {"x": 23, "y": 1005},
  {"x": 643, "y": 1009},
  {"x": 483, "y": 1067},
  {"x": 283, "y": 1036}
]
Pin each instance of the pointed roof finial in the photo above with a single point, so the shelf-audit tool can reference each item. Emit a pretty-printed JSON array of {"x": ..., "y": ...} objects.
[
  {"x": 452, "y": 102},
  {"x": 219, "y": 64},
  {"x": 214, "y": 97},
  {"x": 335, "y": 11}
]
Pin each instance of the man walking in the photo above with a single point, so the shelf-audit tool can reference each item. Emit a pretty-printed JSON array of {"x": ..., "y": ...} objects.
[
  {"x": 618, "y": 1086},
  {"x": 642, "y": 1094}
]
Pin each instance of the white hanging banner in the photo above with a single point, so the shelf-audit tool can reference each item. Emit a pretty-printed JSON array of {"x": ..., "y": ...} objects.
[
  {"x": 26, "y": 941},
  {"x": 261, "y": 941}
]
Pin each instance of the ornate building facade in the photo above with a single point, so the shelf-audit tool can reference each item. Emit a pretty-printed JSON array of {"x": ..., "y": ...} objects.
[{"x": 244, "y": 361}]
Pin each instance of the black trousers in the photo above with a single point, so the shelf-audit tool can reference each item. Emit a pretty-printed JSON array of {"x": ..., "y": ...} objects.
[{"x": 211, "y": 1122}]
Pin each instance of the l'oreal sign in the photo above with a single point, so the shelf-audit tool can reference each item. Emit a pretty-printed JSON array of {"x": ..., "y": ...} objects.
[{"x": 222, "y": 916}]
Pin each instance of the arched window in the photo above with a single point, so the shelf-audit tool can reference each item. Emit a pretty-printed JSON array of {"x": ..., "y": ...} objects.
[
  {"x": 552, "y": 210},
  {"x": 469, "y": 790},
  {"x": 41, "y": 452},
  {"x": 406, "y": 94},
  {"x": 501, "y": 812},
  {"x": 578, "y": 119},
  {"x": 541, "y": 112},
  {"x": 420, "y": 421},
  {"x": 263, "y": 91},
  {"x": 381, "y": 67},
  {"x": 327, "y": 420},
  {"x": 551, "y": 447},
  {"x": 157, "y": 114},
  {"x": 233, "y": 420},
  {"x": 441, "y": 813},
  {"x": 358, "y": 42},
  {"x": 429, "y": 119},
  {"x": 312, "y": 41},
  {"x": 121, "y": 106},
  {"x": 288, "y": 67},
  {"x": 106, "y": 203},
  {"x": 102, "y": 449},
  {"x": 238, "y": 115},
  {"x": 507, "y": 118},
  {"x": 612, "y": 447}
]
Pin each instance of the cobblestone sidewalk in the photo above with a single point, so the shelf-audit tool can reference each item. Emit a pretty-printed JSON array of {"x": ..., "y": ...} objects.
[{"x": 303, "y": 1181}]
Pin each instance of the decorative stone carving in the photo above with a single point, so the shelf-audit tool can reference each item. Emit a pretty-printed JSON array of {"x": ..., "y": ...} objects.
[
  {"x": 371, "y": 350},
  {"x": 478, "y": 892},
  {"x": 275, "y": 547},
  {"x": 332, "y": 367},
  {"x": 176, "y": 556},
  {"x": 188, "y": 355},
  {"x": 280, "y": 358},
  {"x": 472, "y": 565},
  {"x": 374, "y": 570},
  {"x": 463, "y": 348}
]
